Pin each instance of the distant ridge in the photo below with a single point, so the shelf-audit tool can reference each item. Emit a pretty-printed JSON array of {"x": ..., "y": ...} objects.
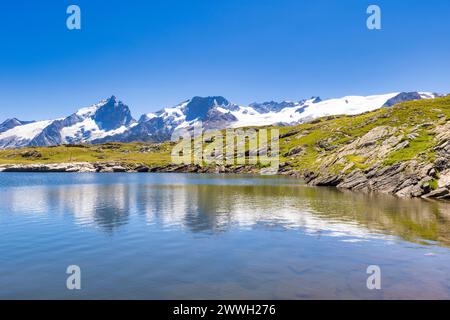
[{"x": 110, "y": 120}]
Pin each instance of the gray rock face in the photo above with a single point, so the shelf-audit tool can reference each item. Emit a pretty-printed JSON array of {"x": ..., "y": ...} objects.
[
  {"x": 404, "y": 96},
  {"x": 153, "y": 130},
  {"x": 199, "y": 107},
  {"x": 51, "y": 135},
  {"x": 271, "y": 106},
  {"x": 216, "y": 119},
  {"x": 112, "y": 115}
]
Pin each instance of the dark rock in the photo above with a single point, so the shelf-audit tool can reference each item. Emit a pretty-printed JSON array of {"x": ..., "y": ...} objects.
[
  {"x": 327, "y": 181},
  {"x": 33, "y": 154},
  {"x": 294, "y": 151},
  {"x": 142, "y": 168},
  {"x": 437, "y": 193},
  {"x": 426, "y": 187},
  {"x": 289, "y": 134},
  {"x": 441, "y": 164},
  {"x": 432, "y": 173},
  {"x": 355, "y": 180}
]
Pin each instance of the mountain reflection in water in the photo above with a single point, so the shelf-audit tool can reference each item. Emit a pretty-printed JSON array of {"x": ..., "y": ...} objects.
[
  {"x": 187, "y": 236},
  {"x": 197, "y": 204}
]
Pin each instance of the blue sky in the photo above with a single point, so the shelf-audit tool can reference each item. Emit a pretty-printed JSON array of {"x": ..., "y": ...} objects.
[{"x": 153, "y": 54}]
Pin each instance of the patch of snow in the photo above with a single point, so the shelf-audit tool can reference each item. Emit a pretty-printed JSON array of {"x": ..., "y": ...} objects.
[
  {"x": 222, "y": 110},
  {"x": 150, "y": 116},
  {"x": 349, "y": 105},
  {"x": 427, "y": 95},
  {"x": 247, "y": 116},
  {"x": 89, "y": 111},
  {"x": 26, "y": 131},
  {"x": 87, "y": 130}
]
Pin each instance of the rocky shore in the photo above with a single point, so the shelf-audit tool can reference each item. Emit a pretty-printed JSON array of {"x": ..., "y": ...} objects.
[
  {"x": 406, "y": 179},
  {"x": 104, "y": 167},
  {"x": 423, "y": 176}
]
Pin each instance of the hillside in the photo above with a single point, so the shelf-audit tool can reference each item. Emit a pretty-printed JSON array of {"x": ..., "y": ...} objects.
[{"x": 402, "y": 150}]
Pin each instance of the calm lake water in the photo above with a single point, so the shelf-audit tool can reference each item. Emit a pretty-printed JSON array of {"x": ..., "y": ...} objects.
[{"x": 182, "y": 236}]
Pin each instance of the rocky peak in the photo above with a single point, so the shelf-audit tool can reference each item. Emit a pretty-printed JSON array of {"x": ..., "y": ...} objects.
[
  {"x": 198, "y": 107},
  {"x": 112, "y": 115},
  {"x": 271, "y": 106},
  {"x": 12, "y": 123},
  {"x": 315, "y": 99},
  {"x": 402, "y": 97}
]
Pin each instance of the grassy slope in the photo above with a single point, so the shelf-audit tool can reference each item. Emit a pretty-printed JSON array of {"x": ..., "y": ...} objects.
[
  {"x": 318, "y": 139},
  {"x": 343, "y": 130},
  {"x": 119, "y": 152}
]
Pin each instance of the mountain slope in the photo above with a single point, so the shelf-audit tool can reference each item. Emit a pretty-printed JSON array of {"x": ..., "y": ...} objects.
[
  {"x": 106, "y": 118},
  {"x": 216, "y": 113},
  {"x": 402, "y": 150},
  {"x": 22, "y": 135},
  {"x": 157, "y": 127},
  {"x": 12, "y": 123},
  {"x": 110, "y": 120}
]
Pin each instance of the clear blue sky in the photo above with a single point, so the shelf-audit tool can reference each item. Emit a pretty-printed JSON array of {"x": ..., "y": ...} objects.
[{"x": 153, "y": 54}]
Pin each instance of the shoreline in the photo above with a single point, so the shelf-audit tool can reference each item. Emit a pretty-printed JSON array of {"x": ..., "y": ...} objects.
[
  {"x": 339, "y": 181},
  {"x": 116, "y": 167}
]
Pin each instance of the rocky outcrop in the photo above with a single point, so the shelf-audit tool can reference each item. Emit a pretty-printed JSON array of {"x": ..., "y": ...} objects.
[{"x": 417, "y": 177}]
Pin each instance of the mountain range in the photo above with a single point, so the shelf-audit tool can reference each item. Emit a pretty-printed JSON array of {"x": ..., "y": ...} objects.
[{"x": 110, "y": 120}]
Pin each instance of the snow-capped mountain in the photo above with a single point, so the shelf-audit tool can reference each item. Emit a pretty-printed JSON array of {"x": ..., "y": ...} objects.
[
  {"x": 110, "y": 120},
  {"x": 12, "y": 123},
  {"x": 214, "y": 112},
  {"x": 106, "y": 118}
]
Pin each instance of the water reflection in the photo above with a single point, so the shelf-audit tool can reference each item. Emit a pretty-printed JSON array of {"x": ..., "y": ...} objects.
[{"x": 215, "y": 206}]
